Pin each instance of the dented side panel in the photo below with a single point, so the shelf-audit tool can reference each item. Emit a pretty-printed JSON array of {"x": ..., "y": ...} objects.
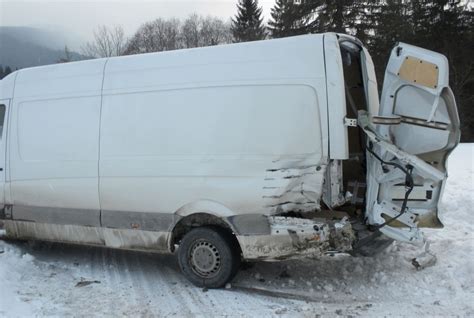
[
  {"x": 294, "y": 237},
  {"x": 297, "y": 186}
]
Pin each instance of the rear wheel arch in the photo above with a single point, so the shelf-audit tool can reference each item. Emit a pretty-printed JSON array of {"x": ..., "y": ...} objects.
[{"x": 202, "y": 219}]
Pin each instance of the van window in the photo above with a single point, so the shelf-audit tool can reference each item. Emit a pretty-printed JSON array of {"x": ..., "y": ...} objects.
[{"x": 2, "y": 119}]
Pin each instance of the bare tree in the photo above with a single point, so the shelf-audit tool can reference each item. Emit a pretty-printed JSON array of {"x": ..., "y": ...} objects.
[
  {"x": 215, "y": 31},
  {"x": 190, "y": 31},
  {"x": 158, "y": 35},
  {"x": 200, "y": 31},
  {"x": 172, "y": 34},
  {"x": 107, "y": 42}
]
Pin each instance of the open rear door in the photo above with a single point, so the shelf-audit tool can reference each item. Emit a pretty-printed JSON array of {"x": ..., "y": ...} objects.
[{"x": 408, "y": 143}]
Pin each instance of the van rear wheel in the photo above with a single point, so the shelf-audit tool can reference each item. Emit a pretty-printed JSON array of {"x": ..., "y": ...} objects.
[{"x": 207, "y": 257}]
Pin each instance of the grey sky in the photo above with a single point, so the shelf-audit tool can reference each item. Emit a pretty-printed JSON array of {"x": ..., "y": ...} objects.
[{"x": 81, "y": 17}]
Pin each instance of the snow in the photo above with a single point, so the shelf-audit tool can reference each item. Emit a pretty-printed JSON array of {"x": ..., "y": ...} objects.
[{"x": 39, "y": 279}]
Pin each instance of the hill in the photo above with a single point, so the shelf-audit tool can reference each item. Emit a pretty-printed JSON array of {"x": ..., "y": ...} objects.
[{"x": 22, "y": 47}]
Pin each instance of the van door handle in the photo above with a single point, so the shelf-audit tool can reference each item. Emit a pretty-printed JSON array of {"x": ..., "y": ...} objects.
[{"x": 1, "y": 169}]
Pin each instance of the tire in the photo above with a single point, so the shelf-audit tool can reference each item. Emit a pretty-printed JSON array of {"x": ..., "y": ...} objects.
[{"x": 208, "y": 257}]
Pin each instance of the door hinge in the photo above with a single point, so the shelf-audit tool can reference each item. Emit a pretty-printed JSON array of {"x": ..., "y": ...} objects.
[{"x": 350, "y": 122}]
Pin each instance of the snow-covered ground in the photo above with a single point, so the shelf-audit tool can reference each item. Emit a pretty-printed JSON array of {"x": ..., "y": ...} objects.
[{"x": 40, "y": 279}]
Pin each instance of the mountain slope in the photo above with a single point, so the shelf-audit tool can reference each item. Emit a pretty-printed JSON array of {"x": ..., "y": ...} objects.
[{"x": 22, "y": 47}]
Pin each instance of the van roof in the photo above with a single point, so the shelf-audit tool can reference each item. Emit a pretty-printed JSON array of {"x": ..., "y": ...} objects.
[{"x": 85, "y": 78}]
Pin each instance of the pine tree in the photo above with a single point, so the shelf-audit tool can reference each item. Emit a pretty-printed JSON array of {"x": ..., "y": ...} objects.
[
  {"x": 1, "y": 72},
  {"x": 444, "y": 26},
  {"x": 288, "y": 18},
  {"x": 447, "y": 28},
  {"x": 393, "y": 23},
  {"x": 332, "y": 15},
  {"x": 7, "y": 71},
  {"x": 365, "y": 13},
  {"x": 248, "y": 22}
]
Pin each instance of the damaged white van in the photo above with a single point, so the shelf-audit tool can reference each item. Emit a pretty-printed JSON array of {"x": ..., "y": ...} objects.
[{"x": 254, "y": 151}]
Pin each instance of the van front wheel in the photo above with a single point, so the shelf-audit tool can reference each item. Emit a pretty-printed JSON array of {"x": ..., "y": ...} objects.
[{"x": 207, "y": 257}]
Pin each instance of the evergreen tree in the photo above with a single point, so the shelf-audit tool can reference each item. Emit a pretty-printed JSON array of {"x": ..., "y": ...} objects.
[
  {"x": 365, "y": 13},
  {"x": 393, "y": 23},
  {"x": 288, "y": 18},
  {"x": 444, "y": 26},
  {"x": 447, "y": 28},
  {"x": 1, "y": 71},
  {"x": 248, "y": 22},
  {"x": 332, "y": 15},
  {"x": 7, "y": 71}
]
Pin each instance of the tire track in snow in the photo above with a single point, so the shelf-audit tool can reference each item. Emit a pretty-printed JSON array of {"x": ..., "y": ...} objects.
[
  {"x": 212, "y": 302},
  {"x": 194, "y": 303},
  {"x": 110, "y": 274},
  {"x": 144, "y": 285},
  {"x": 247, "y": 290},
  {"x": 129, "y": 279},
  {"x": 147, "y": 277}
]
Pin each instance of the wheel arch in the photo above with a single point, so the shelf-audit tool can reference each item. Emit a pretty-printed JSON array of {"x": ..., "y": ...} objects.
[
  {"x": 200, "y": 219},
  {"x": 202, "y": 213}
]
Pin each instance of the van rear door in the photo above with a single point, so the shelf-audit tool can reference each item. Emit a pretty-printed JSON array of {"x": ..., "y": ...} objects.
[{"x": 409, "y": 142}]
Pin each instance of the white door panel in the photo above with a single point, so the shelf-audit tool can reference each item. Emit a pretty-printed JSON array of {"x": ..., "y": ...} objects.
[
  {"x": 408, "y": 159},
  {"x": 54, "y": 153}
]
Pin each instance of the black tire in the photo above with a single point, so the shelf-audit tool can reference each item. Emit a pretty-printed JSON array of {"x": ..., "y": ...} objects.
[{"x": 208, "y": 257}]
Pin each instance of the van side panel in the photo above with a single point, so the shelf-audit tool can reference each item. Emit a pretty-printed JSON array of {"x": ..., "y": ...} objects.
[
  {"x": 54, "y": 144},
  {"x": 300, "y": 61},
  {"x": 218, "y": 124},
  {"x": 162, "y": 150}
]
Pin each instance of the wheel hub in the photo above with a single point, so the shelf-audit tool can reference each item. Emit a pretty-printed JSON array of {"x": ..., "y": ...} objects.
[{"x": 205, "y": 259}]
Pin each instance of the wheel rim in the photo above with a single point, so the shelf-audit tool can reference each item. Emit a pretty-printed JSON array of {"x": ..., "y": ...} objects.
[{"x": 205, "y": 259}]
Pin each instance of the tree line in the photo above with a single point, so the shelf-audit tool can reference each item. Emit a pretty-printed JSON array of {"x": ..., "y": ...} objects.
[{"x": 159, "y": 35}]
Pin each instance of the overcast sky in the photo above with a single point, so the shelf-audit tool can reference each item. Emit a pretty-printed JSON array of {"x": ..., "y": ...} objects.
[{"x": 80, "y": 17}]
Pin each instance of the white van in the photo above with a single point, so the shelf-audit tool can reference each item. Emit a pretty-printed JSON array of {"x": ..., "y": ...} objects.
[{"x": 253, "y": 151}]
